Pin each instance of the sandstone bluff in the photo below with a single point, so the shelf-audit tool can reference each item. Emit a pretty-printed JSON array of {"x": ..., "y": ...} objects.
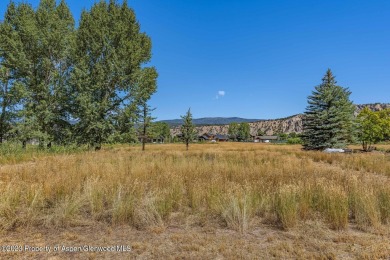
[{"x": 284, "y": 125}]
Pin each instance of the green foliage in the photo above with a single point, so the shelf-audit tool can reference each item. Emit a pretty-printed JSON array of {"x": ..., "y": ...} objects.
[
  {"x": 109, "y": 80},
  {"x": 372, "y": 127},
  {"x": 161, "y": 129},
  {"x": 38, "y": 46},
  {"x": 12, "y": 152},
  {"x": 234, "y": 131},
  {"x": 282, "y": 136},
  {"x": 8, "y": 100},
  {"x": 146, "y": 122},
  {"x": 294, "y": 140},
  {"x": 239, "y": 132},
  {"x": 188, "y": 129},
  {"x": 244, "y": 132},
  {"x": 384, "y": 115},
  {"x": 53, "y": 74},
  {"x": 328, "y": 117}
]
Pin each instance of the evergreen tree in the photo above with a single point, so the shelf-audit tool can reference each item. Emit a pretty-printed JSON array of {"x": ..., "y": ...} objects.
[
  {"x": 328, "y": 117},
  {"x": 188, "y": 129},
  {"x": 108, "y": 76}
]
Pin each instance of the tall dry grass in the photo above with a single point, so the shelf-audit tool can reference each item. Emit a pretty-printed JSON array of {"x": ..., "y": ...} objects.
[{"x": 229, "y": 184}]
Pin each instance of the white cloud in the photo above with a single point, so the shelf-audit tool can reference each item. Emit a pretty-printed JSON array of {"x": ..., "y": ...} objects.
[{"x": 220, "y": 93}]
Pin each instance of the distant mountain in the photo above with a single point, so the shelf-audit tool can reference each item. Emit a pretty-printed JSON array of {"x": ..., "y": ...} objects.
[{"x": 211, "y": 121}]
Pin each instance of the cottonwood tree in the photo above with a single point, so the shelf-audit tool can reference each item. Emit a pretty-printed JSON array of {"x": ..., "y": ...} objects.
[
  {"x": 385, "y": 122},
  {"x": 38, "y": 46},
  {"x": 188, "y": 129},
  {"x": 233, "y": 131},
  {"x": 244, "y": 132},
  {"x": 372, "y": 127},
  {"x": 328, "y": 116},
  {"x": 161, "y": 129},
  {"x": 8, "y": 100},
  {"x": 110, "y": 55}
]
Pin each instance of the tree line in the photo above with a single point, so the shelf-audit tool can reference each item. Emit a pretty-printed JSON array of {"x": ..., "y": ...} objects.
[{"x": 60, "y": 83}]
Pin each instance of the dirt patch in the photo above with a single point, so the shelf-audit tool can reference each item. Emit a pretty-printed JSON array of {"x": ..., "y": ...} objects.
[{"x": 308, "y": 240}]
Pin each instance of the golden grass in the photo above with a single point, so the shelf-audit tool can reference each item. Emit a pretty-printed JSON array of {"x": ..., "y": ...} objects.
[{"x": 230, "y": 185}]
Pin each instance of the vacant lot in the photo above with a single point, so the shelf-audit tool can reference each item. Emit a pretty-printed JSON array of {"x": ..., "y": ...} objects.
[{"x": 226, "y": 200}]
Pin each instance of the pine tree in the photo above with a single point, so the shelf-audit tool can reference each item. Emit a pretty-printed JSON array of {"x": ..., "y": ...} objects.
[
  {"x": 328, "y": 117},
  {"x": 188, "y": 129}
]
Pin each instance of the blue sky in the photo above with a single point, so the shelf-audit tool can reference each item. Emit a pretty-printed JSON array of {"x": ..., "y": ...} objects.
[{"x": 260, "y": 59}]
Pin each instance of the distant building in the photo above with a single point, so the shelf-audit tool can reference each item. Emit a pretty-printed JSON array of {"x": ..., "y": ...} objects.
[
  {"x": 266, "y": 139},
  {"x": 221, "y": 138},
  {"x": 207, "y": 137}
]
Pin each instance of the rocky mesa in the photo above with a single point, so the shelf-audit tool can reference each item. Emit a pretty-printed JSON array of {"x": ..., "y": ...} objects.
[{"x": 283, "y": 125}]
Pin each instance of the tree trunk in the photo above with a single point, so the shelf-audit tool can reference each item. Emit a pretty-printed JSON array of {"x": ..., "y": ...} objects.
[
  {"x": 144, "y": 127},
  {"x": 24, "y": 144},
  {"x": 98, "y": 143}
]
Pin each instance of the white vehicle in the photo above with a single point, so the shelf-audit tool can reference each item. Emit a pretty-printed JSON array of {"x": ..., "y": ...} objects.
[{"x": 333, "y": 150}]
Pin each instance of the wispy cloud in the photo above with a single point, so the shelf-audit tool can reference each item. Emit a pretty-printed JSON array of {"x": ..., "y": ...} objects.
[{"x": 220, "y": 93}]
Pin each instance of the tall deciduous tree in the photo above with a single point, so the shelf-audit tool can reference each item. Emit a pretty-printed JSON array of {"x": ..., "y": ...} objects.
[
  {"x": 6, "y": 101},
  {"x": 188, "y": 129},
  {"x": 108, "y": 75},
  {"x": 372, "y": 127},
  {"x": 233, "y": 131},
  {"x": 369, "y": 128},
  {"x": 38, "y": 45},
  {"x": 161, "y": 129},
  {"x": 385, "y": 123},
  {"x": 244, "y": 132},
  {"x": 328, "y": 117}
]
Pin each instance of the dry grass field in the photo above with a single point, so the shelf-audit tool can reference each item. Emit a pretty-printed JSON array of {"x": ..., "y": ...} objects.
[{"x": 223, "y": 201}]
